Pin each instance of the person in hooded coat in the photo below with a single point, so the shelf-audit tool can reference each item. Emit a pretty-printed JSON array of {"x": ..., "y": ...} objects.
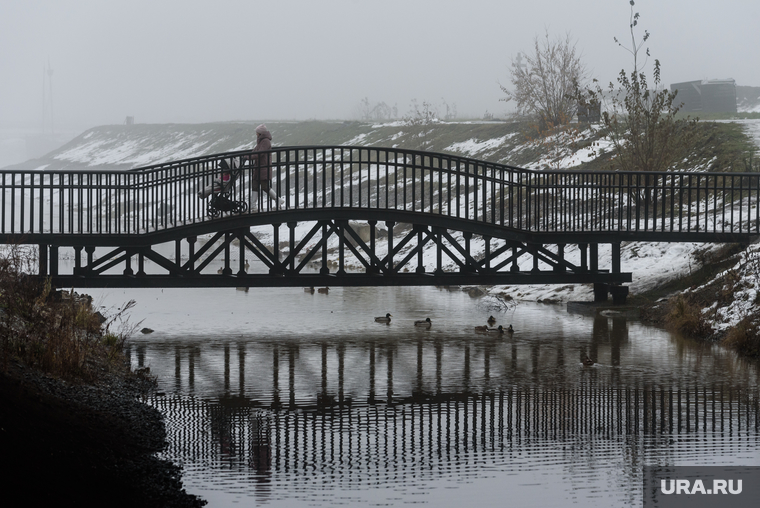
[{"x": 261, "y": 168}]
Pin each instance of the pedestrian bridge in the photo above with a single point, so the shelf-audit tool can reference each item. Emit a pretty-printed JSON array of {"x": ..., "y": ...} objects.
[{"x": 362, "y": 216}]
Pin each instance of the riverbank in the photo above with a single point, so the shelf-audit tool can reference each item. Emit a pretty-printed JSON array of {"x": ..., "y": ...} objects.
[
  {"x": 73, "y": 429},
  {"x": 81, "y": 444},
  {"x": 720, "y": 302}
]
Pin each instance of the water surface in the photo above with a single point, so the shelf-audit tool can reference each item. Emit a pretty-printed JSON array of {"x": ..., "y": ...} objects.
[{"x": 279, "y": 397}]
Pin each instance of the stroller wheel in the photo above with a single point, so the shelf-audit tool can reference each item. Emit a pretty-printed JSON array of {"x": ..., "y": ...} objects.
[
  {"x": 213, "y": 212},
  {"x": 242, "y": 207}
]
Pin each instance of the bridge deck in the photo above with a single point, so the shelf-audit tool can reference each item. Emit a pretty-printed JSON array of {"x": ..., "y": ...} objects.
[{"x": 439, "y": 215}]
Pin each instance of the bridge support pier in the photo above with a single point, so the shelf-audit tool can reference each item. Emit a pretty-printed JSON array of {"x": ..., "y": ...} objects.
[
  {"x": 191, "y": 253},
  {"x": 341, "y": 247},
  {"x": 616, "y": 257},
  {"x": 389, "y": 225},
  {"x": 600, "y": 292},
  {"x": 583, "y": 248},
  {"x": 420, "y": 264},
  {"x": 227, "y": 270},
  {"x": 43, "y": 259},
  {"x": 560, "y": 267},
  {"x": 127, "y": 263},
  {"x": 277, "y": 268},
  {"x": 619, "y": 293},
  {"x": 533, "y": 249},
  {"x": 325, "y": 268},
  {"x": 373, "y": 266}
]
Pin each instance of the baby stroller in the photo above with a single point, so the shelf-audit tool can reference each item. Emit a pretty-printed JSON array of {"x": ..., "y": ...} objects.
[{"x": 222, "y": 192}]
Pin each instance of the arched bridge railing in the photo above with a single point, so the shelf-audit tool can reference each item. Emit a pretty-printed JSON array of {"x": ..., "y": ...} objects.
[{"x": 665, "y": 206}]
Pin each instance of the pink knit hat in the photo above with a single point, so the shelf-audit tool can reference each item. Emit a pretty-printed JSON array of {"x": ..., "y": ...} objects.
[{"x": 261, "y": 129}]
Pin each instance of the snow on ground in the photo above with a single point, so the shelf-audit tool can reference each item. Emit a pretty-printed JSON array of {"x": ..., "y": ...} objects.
[
  {"x": 101, "y": 152},
  {"x": 752, "y": 127},
  {"x": 559, "y": 153},
  {"x": 746, "y": 277},
  {"x": 473, "y": 147}
]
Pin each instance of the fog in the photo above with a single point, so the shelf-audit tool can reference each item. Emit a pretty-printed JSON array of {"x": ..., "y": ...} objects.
[{"x": 192, "y": 61}]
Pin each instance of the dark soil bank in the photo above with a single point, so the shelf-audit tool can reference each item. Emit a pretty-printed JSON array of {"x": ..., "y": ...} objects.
[{"x": 65, "y": 444}]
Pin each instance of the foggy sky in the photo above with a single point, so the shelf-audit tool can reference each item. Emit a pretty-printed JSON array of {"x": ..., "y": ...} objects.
[{"x": 194, "y": 61}]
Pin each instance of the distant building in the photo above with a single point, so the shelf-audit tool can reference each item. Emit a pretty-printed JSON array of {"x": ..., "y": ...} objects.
[
  {"x": 589, "y": 113},
  {"x": 706, "y": 96}
]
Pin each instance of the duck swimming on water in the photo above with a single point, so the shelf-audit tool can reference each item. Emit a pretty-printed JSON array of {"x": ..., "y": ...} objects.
[
  {"x": 491, "y": 320},
  {"x": 384, "y": 319},
  {"x": 425, "y": 322}
]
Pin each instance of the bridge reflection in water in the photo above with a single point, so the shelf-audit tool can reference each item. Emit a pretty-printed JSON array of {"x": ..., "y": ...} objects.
[{"x": 289, "y": 415}]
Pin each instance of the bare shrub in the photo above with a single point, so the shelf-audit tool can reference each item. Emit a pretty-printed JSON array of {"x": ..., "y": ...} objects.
[
  {"x": 685, "y": 317},
  {"x": 744, "y": 338},
  {"x": 641, "y": 120},
  {"x": 54, "y": 331}
]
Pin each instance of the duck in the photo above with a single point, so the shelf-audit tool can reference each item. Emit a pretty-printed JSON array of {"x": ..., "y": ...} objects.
[
  {"x": 425, "y": 322},
  {"x": 309, "y": 289},
  {"x": 483, "y": 328},
  {"x": 500, "y": 329},
  {"x": 323, "y": 290},
  {"x": 510, "y": 329},
  {"x": 384, "y": 319},
  {"x": 491, "y": 320},
  {"x": 587, "y": 361}
]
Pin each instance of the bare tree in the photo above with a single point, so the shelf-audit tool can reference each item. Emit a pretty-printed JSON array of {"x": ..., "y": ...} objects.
[
  {"x": 641, "y": 121},
  {"x": 421, "y": 116},
  {"x": 545, "y": 82},
  {"x": 377, "y": 112}
]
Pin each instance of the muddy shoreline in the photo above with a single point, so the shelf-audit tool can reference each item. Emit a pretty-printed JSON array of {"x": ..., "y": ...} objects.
[{"x": 76, "y": 444}]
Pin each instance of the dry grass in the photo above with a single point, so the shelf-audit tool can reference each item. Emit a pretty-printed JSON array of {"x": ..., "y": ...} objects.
[
  {"x": 744, "y": 338},
  {"x": 53, "y": 331},
  {"x": 685, "y": 317}
]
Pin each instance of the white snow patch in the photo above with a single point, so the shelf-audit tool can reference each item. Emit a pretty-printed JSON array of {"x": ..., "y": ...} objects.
[{"x": 474, "y": 146}]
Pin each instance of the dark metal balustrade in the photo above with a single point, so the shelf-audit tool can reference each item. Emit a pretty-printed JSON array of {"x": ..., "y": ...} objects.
[
  {"x": 331, "y": 185},
  {"x": 706, "y": 206}
]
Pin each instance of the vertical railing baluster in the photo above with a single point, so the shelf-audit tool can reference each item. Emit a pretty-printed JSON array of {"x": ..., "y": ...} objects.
[
  {"x": 314, "y": 183},
  {"x": 5, "y": 228},
  {"x": 41, "y": 212},
  {"x": 723, "y": 205},
  {"x": 733, "y": 199},
  {"x": 757, "y": 203},
  {"x": 646, "y": 201}
]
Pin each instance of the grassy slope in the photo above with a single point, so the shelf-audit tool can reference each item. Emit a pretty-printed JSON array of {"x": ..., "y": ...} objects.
[
  {"x": 123, "y": 147},
  {"x": 721, "y": 146}
]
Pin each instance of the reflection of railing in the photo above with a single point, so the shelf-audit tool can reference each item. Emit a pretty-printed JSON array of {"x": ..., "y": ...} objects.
[
  {"x": 423, "y": 434},
  {"x": 155, "y": 197}
]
